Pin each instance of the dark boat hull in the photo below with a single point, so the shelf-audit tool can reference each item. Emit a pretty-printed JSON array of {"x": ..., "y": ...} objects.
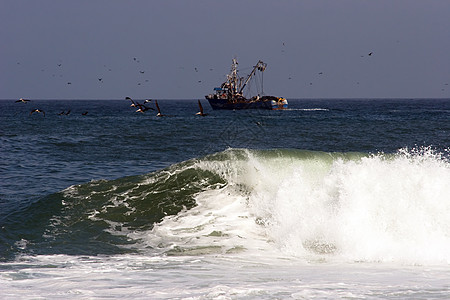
[{"x": 224, "y": 103}]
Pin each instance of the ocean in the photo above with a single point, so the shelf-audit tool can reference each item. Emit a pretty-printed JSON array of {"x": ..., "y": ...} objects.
[{"x": 330, "y": 199}]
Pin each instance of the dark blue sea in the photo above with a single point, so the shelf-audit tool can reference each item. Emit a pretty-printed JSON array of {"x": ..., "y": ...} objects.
[{"x": 331, "y": 198}]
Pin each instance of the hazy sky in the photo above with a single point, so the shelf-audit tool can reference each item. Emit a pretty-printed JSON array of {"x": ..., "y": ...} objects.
[{"x": 171, "y": 49}]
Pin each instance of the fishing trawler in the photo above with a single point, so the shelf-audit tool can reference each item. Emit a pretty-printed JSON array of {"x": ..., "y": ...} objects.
[{"x": 230, "y": 94}]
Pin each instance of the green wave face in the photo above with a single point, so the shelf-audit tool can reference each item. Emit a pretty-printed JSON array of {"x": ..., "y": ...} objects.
[{"x": 95, "y": 217}]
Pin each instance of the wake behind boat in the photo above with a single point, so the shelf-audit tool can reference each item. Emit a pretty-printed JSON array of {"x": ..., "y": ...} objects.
[{"x": 230, "y": 94}]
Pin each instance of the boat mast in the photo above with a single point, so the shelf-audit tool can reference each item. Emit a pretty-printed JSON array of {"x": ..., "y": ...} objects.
[
  {"x": 259, "y": 66},
  {"x": 233, "y": 78}
]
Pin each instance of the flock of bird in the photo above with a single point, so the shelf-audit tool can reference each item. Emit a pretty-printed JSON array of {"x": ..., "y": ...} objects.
[
  {"x": 141, "y": 79},
  {"x": 59, "y": 72},
  {"x": 34, "y": 110},
  {"x": 141, "y": 107}
]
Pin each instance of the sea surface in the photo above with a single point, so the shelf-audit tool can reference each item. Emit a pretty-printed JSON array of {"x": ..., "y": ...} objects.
[{"x": 330, "y": 199}]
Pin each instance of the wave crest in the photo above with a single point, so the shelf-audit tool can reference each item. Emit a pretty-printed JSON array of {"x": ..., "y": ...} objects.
[{"x": 350, "y": 206}]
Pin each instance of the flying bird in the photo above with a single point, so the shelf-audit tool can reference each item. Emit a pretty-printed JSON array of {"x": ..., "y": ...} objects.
[
  {"x": 159, "y": 110},
  {"x": 370, "y": 54},
  {"x": 38, "y": 111},
  {"x": 85, "y": 113},
  {"x": 133, "y": 104},
  {"x": 200, "y": 113},
  {"x": 23, "y": 100},
  {"x": 143, "y": 108}
]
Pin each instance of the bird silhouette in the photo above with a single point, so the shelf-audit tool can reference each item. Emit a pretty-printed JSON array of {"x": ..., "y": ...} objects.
[
  {"x": 140, "y": 107},
  {"x": 133, "y": 104},
  {"x": 159, "y": 110},
  {"x": 38, "y": 111},
  {"x": 23, "y": 100},
  {"x": 200, "y": 113},
  {"x": 143, "y": 108}
]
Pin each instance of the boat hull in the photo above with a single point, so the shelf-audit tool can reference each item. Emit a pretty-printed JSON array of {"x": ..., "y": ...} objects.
[{"x": 218, "y": 103}]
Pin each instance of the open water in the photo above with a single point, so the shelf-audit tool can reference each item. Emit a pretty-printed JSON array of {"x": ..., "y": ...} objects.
[{"x": 330, "y": 199}]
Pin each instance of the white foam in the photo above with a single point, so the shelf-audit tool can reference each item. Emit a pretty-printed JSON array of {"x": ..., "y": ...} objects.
[
  {"x": 142, "y": 277},
  {"x": 373, "y": 209},
  {"x": 377, "y": 208}
]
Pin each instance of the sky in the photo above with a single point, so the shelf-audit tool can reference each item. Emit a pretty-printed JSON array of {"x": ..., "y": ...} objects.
[{"x": 169, "y": 49}]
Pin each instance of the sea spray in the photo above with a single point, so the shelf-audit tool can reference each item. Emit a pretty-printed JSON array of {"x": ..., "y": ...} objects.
[
  {"x": 316, "y": 205},
  {"x": 373, "y": 208}
]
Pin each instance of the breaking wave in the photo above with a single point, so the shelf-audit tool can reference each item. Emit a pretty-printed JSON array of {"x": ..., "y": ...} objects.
[{"x": 294, "y": 203}]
